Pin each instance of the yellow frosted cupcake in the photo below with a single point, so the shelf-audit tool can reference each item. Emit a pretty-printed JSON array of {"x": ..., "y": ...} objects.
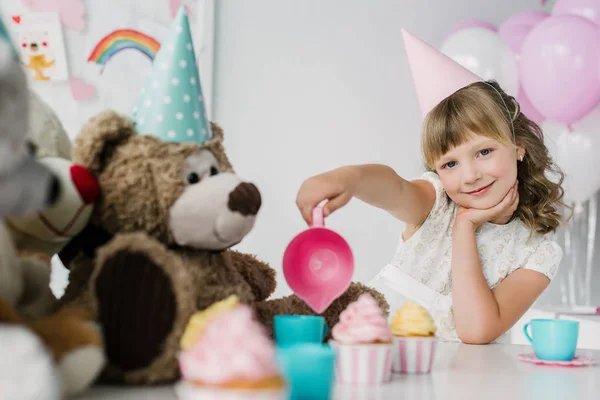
[
  {"x": 201, "y": 319},
  {"x": 414, "y": 339},
  {"x": 412, "y": 320}
]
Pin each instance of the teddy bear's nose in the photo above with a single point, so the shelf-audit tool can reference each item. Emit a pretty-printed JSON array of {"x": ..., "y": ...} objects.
[
  {"x": 86, "y": 183},
  {"x": 245, "y": 199}
]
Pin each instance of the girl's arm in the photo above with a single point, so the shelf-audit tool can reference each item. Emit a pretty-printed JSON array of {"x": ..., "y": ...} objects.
[
  {"x": 481, "y": 314},
  {"x": 377, "y": 185}
]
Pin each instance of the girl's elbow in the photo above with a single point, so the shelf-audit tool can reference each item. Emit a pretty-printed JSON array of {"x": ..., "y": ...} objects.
[{"x": 478, "y": 336}]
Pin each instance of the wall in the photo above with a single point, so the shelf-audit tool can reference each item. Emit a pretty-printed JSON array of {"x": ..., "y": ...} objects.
[
  {"x": 119, "y": 84},
  {"x": 299, "y": 86},
  {"x": 305, "y": 86}
]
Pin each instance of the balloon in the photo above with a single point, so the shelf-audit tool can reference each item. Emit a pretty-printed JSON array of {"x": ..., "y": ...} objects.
[
  {"x": 559, "y": 67},
  {"x": 483, "y": 52},
  {"x": 589, "y": 9},
  {"x": 528, "y": 109},
  {"x": 576, "y": 153},
  {"x": 514, "y": 30},
  {"x": 472, "y": 23}
]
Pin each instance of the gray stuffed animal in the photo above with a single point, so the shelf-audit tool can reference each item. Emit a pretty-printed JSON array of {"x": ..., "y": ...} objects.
[{"x": 27, "y": 186}]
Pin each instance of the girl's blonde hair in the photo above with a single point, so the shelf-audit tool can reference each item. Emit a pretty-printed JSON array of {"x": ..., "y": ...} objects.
[{"x": 478, "y": 108}]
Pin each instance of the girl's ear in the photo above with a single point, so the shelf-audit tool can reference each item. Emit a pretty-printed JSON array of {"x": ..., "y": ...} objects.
[{"x": 520, "y": 152}]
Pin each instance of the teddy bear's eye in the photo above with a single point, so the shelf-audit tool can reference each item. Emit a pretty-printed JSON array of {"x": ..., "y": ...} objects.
[
  {"x": 193, "y": 178},
  {"x": 213, "y": 171}
]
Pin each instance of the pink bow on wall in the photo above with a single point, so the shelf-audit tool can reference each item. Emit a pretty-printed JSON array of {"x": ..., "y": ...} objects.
[
  {"x": 175, "y": 4},
  {"x": 80, "y": 90}
]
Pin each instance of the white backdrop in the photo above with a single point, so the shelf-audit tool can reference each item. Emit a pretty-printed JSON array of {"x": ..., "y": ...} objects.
[
  {"x": 300, "y": 87},
  {"x": 305, "y": 86}
]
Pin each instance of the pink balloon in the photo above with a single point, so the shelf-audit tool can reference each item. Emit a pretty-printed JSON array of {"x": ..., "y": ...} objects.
[
  {"x": 589, "y": 9},
  {"x": 560, "y": 62},
  {"x": 472, "y": 23},
  {"x": 514, "y": 30},
  {"x": 528, "y": 109}
]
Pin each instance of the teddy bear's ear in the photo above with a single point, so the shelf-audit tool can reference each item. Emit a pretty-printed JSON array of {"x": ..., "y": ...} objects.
[
  {"x": 217, "y": 147},
  {"x": 98, "y": 137},
  {"x": 217, "y": 131}
]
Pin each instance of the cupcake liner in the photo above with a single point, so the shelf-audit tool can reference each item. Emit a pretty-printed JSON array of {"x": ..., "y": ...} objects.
[
  {"x": 413, "y": 355},
  {"x": 189, "y": 391},
  {"x": 364, "y": 364}
]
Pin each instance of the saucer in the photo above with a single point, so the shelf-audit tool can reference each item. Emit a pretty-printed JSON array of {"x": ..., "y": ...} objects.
[{"x": 577, "y": 361}]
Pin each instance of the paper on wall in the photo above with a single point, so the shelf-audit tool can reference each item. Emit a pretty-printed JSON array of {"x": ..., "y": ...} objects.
[{"x": 39, "y": 38}]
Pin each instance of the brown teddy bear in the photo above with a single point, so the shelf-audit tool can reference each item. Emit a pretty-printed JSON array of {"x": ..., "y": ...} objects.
[
  {"x": 170, "y": 206},
  {"x": 156, "y": 249}
]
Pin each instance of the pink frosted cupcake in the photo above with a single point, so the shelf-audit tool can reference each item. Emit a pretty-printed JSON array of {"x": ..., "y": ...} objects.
[
  {"x": 362, "y": 341},
  {"x": 232, "y": 359}
]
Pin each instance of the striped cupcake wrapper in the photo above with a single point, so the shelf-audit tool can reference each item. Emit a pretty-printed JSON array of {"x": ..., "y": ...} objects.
[
  {"x": 412, "y": 355},
  {"x": 363, "y": 364}
]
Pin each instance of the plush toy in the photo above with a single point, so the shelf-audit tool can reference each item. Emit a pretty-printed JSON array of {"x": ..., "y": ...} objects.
[
  {"x": 59, "y": 353},
  {"x": 70, "y": 339},
  {"x": 45, "y": 131},
  {"x": 70, "y": 335},
  {"x": 38, "y": 237},
  {"x": 27, "y": 371},
  {"x": 27, "y": 186},
  {"x": 170, "y": 207}
]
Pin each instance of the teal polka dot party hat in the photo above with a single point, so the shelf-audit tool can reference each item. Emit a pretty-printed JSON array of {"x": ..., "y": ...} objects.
[{"x": 171, "y": 105}]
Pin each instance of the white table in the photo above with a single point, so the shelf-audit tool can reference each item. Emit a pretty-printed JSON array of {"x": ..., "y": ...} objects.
[{"x": 461, "y": 372}]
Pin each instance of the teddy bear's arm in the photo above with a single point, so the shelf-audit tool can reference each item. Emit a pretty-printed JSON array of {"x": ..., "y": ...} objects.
[
  {"x": 266, "y": 310},
  {"x": 259, "y": 275}
]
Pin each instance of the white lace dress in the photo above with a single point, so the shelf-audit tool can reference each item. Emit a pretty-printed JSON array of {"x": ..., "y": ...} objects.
[{"x": 421, "y": 268}]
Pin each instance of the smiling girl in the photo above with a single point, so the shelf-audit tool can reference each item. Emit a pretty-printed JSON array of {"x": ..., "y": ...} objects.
[{"x": 476, "y": 250}]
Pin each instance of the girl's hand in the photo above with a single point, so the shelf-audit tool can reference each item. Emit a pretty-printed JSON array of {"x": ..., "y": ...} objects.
[
  {"x": 500, "y": 212},
  {"x": 337, "y": 186}
]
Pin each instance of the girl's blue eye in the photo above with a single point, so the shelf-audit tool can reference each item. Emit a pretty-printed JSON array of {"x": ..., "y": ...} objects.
[
  {"x": 450, "y": 164},
  {"x": 485, "y": 152}
]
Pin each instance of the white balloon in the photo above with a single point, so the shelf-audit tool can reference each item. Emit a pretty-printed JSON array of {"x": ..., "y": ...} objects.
[
  {"x": 485, "y": 54},
  {"x": 576, "y": 153}
]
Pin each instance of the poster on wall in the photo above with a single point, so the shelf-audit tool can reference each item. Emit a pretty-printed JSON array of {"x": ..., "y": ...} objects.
[
  {"x": 117, "y": 54},
  {"x": 39, "y": 38}
]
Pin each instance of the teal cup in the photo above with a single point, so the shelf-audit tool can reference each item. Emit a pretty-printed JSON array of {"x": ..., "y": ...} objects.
[
  {"x": 296, "y": 329},
  {"x": 553, "y": 339},
  {"x": 308, "y": 369}
]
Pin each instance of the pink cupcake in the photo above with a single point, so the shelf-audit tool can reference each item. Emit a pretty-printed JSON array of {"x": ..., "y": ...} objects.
[
  {"x": 362, "y": 341},
  {"x": 232, "y": 359}
]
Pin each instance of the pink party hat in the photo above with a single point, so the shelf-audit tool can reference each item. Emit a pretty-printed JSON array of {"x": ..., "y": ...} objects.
[{"x": 435, "y": 75}]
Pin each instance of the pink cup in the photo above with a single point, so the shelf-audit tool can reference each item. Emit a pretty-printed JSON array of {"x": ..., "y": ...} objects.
[{"x": 318, "y": 264}]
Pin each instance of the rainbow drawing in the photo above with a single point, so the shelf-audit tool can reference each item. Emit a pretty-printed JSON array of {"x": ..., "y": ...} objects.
[{"x": 123, "y": 39}]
